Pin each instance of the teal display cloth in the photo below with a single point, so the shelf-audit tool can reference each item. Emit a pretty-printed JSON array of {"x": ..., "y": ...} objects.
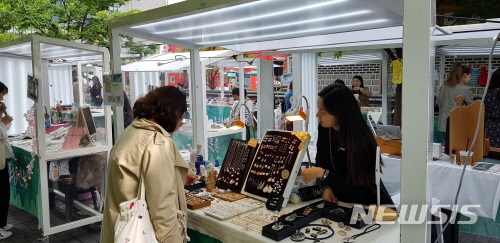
[{"x": 217, "y": 146}]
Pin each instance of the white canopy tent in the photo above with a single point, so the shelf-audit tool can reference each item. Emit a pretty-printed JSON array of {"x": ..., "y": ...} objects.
[
  {"x": 147, "y": 71},
  {"x": 38, "y": 51},
  {"x": 306, "y": 27},
  {"x": 174, "y": 61}
]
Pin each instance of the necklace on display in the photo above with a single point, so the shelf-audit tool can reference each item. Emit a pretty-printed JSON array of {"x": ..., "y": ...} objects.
[{"x": 367, "y": 230}]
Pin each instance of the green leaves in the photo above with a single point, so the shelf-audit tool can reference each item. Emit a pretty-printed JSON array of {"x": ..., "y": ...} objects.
[{"x": 84, "y": 20}]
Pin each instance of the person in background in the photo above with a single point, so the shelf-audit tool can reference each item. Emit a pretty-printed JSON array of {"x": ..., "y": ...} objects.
[
  {"x": 147, "y": 145},
  {"x": 128, "y": 113},
  {"x": 358, "y": 87},
  {"x": 492, "y": 110},
  {"x": 288, "y": 95},
  {"x": 5, "y": 155},
  {"x": 346, "y": 151},
  {"x": 339, "y": 81},
  {"x": 95, "y": 92},
  {"x": 249, "y": 103},
  {"x": 455, "y": 85}
]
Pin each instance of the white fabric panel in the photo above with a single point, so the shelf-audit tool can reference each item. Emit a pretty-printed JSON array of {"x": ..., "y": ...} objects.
[
  {"x": 14, "y": 74},
  {"x": 478, "y": 187},
  {"x": 60, "y": 85},
  {"x": 139, "y": 82}
]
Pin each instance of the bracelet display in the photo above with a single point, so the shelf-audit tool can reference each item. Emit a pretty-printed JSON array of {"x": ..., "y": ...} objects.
[{"x": 325, "y": 175}]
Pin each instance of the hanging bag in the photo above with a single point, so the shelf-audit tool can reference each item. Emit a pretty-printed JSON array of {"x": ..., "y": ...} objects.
[{"x": 134, "y": 223}]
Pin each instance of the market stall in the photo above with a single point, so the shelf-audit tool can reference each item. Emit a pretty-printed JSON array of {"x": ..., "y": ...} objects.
[
  {"x": 29, "y": 173},
  {"x": 172, "y": 69},
  {"x": 323, "y": 32},
  {"x": 154, "y": 25}
]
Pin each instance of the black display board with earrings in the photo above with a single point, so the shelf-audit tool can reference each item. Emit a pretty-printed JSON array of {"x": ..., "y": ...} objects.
[
  {"x": 236, "y": 164},
  {"x": 276, "y": 164}
]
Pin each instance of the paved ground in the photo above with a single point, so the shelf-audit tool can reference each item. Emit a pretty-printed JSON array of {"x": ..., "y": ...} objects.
[{"x": 25, "y": 231}]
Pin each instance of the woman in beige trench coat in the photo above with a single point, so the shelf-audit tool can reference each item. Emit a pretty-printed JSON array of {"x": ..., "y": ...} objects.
[{"x": 157, "y": 115}]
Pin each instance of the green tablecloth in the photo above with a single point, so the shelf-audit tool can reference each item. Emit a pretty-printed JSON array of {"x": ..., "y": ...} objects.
[
  {"x": 483, "y": 226},
  {"x": 197, "y": 237},
  {"x": 25, "y": 185}
]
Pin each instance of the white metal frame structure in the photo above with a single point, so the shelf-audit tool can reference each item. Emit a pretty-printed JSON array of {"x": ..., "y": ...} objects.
[
  {"x": 180, "y": 24},
  {"x": 40, "y": 50}
]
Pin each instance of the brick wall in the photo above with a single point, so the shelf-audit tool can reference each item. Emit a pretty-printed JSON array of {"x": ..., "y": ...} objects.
[
  {"x": 369, "y": 71},
  {"x": 449, "y": 60}
]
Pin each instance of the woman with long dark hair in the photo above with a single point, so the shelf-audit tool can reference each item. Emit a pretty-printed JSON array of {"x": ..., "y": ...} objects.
[
  {"x": 358, "y": 87},
  {"x": 96, "y": 92},
  {"x": 492, "y": 110},
  {"x": 346, "y": 157}
]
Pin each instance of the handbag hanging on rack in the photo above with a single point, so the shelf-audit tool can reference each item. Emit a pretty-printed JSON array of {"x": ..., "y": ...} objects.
[{"x": 134, "y": 223}]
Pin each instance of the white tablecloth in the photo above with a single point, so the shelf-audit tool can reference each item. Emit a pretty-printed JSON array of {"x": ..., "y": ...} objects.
[
  {"x": 478, "y": 187},
  {"x": 228, "y": 232}
]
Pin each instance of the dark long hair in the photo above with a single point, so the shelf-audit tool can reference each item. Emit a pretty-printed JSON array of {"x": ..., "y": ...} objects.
[
  {"x": 353, "y": 134},
  {"x": 166, "y": 105},
  {"x": 96, "y": 81},
  {"x": 360, "y": 79},
  {"x": 3, "y": 88},
  {"x": 494, "y": 82}
]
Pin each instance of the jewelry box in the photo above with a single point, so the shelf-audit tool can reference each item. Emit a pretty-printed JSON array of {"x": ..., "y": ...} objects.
[
  {"x": 236, "y": 164},
  {"x": 310, "y": 193},
  {"x": 344, "y": 215},
  {"x": 275, "y": 164},
  {"x": 194, "y": 202}
]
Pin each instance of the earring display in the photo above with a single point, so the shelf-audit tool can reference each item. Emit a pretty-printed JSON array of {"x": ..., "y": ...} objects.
[
  {"x": 195, "y": 202},
  {"x": 226, "y": 210},
  {"x": 276, "y": 164},
  {"x": 235, "y": 166}
]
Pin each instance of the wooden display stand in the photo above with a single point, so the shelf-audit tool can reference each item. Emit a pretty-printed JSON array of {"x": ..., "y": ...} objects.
[
  {"x": 86, "y": 121},
  {"x": 463, "y": 122},
  {"x": 389, "y": 146}
]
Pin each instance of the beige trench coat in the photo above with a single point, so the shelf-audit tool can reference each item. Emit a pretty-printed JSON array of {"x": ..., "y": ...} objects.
[{"x": 165, "y": 173}]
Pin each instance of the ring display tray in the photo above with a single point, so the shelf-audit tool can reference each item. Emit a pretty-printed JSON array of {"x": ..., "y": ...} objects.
[
  {"x": 226, "y": 210},
  {"x": 276, "y": 164},
  {"x": 236, "y": 163},
  {"x": 194, "y": 202}
]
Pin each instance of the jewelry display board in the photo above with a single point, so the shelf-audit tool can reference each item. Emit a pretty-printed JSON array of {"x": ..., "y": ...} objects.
[
  {"x": 236, "y": 163},
  {"x": 276, "y": 164}
]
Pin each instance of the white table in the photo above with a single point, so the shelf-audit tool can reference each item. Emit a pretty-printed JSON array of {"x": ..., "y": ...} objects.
[
  {"x": 478, "y": 187},
  {"x": 228, "y": 232}
]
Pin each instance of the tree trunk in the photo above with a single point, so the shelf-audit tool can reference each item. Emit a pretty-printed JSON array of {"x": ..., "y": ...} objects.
[{"x": 398, "y": 105}]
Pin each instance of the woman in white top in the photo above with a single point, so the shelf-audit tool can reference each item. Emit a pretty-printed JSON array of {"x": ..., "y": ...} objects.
[{"x": 5, "y": 154}]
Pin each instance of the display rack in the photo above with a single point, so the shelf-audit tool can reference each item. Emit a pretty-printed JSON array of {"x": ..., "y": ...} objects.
[
  {"x": 41, "y": 50},
  {"x": 276, "y": 164},
  {"x": 236, "y": 163}
]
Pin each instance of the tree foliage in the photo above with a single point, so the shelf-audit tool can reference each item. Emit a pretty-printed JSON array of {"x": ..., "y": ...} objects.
[
  {"x": 83, "y": 20},
  {"x": 482, "y": 9}
]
